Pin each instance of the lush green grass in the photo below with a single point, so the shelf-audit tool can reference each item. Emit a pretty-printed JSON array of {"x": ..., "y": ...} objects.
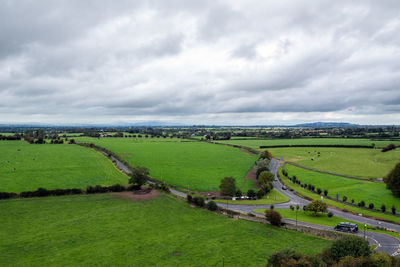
[
  {"x": 340, "y": 205},
  {"x": 308, "y": 141},
  {"x": 358, "y": 190},
  {"x": 28, "y": 167},
  {"x": 273, "y": 197},
  {"x": 101, "y": 230},
  {"x": 197, "y": 165},
  {"x": 358, "y": 162},
  {"x": 323, "y": 219}
]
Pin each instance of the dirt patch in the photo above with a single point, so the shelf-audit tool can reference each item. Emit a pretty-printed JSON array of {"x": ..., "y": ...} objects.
[
  {"x": 137, "y": 196},
  {"x": 126, "y": 154},
  {"x": 252, "y": 175}
]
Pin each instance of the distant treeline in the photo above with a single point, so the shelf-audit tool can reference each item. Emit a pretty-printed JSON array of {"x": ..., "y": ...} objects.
[
  {"x": 10, "y": 137},
  {"x": 347, "y": 146}
]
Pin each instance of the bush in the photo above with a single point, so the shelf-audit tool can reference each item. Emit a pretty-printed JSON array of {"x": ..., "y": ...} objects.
[
  {"x": 260, "y": 193},
  {"x": 392, "y": 180},
  {"x": 6, "y": 195},
  {"x": 345, "y": 199},
  {"x": 319, "y": 191},
  {"x": 273, "y": 217},
  {"x": 352, "y": 201},
  {"x": 212, "y": 206},
  {"x": 371, "y": 206},
  {"x": 350, "y": 246},
  {"x": 238, "y": 193},
  {"x": 383, "y": 208},
  {"x": 362, "y": 203},
  {"x": 251, "y": 193},
  {"x": 317, "y": 206},
  {"x": 325, "y": 192},
  {"x": 282, "y": 257},
  {"x": 393, "y": 210},
  {"x": 330, "y": 214}
]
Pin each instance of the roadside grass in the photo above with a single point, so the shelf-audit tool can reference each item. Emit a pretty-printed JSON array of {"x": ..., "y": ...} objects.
[
  {"x": 27, "y": 167},
  {"x": 102, "y": 230},
  {"x": 359, "y": 190},
  {"x": 323, "y": 219},
  {"x": 308, "y": 141},
  {"x": 272, "y": 197},
  {"x": 193, "y": 165},
  {"x": 358, "y": 162},
  {"x": 341, "y": 205}
]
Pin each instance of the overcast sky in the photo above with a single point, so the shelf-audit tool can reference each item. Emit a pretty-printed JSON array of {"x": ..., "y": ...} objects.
[{"x": 200, "y": 62}]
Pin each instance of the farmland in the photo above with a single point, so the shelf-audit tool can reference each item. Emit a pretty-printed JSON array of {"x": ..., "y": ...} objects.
[
  {"x": 27, "y": 167},
  {"x": 109, "y": 231},
  {"x": 369, "y": 192},
  {"x": 358, "y": 162},
  {"x": 188, "y": 164},
  {"x": 309, "y": 141}
]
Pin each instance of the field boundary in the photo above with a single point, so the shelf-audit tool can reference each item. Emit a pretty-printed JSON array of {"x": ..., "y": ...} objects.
[
  {"x": 375, "y": 180},
  {"x": 339, "y": 146}
]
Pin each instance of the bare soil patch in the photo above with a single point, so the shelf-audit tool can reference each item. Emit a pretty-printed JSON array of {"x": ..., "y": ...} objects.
[
  {"x": 252, "y": 175},
  {"x": 140, "y": 195}
]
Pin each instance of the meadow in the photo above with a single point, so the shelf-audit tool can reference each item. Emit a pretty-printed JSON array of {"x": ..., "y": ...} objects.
[
  {"x": 187, "y": 164},
  {"x": 358, "y": 190},
  {"x": 309, "y": 141},
  {"x": 358, "y": 162},
  {"x": 102, "y": 230},
  {"x": 27, "y": 167}
]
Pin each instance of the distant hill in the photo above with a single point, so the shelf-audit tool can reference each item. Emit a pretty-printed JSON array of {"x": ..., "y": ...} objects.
[{"x": 326, "y": 124}]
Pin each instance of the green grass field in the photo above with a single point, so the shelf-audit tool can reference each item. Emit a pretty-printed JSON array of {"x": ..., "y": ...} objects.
[
  {"x": 308, "y": 141},
  {"x": 341, "y": 205},
  {"x": 28, "y": 167},
  {"x": 188, "y": 164},
  {"x": 358, "y": 162},
  {"x": 272, "y": 197},
  {"x": 102, "y": 230},
  {"x": 358, "y": 190}
]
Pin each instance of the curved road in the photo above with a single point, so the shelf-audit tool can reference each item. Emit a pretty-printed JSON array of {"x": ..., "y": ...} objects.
[{"x": 385, "y": 243}]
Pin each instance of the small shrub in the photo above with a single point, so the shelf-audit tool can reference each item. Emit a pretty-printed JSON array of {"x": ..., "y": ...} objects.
[
  {"x": 330, "y": 214},
  {"x": 319, "y": 191},
  {"x": 393, "y": 210},
  {"x": 251, "y": 193},
  {"x": 383, "y": 208},
  {"x": 325, "y": 192},
  {"x": 352, "y": 201},
  {"x": 273, "y": 217},
  {"x": 344, "y": 198},
  {"x": 212, "y": 206},
  {"x": 371, "y": 206}
]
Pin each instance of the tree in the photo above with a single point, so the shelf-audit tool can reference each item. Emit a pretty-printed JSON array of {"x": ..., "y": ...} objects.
[
  {"x": 394, "y": 210},
  {"x": 273, "y": 217},
  {"x": 371, "y": 206},
  {"x": 238, "y": 193},
  {"x": 266, "y": 155},
  {"x": 251, "y": 193},
  {"x": 325, "y": 192},
  {"x": 282, "y": 257},
  {"x": 383, "y": 208},
  {"x": 350, "y": 246},
  {"x": 212, "y": 206},
  {"x": 228, "y": 186},
  {"x": 344, "y": 198},
  {"x": 317, "y": 206},
  {"x": 262, "y": 165},
  {"x": 392, "y": 180},
  {"x": 139, "y": 176},
  {"x": 265, "y": 180}
]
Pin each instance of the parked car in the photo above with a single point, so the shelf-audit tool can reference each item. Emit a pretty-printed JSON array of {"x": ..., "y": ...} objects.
[{"x": 347, "y": 227}]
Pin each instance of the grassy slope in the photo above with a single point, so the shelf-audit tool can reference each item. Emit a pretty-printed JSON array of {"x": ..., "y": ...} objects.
[
  {"x": 358, "y": 162},
  {"x": 197, "y": 165},
  {"x": 341, "y": 205},
  {"x": 53, "y": 166},
  {"x": 358, "y": 190},
  {"x": 102, "y": 230},
  {"x": 272, "y": 198},
  {"x": 308, "y": 141}
]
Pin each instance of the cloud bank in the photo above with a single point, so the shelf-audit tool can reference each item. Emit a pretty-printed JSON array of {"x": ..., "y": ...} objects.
[{"x": 210, "y": 62}]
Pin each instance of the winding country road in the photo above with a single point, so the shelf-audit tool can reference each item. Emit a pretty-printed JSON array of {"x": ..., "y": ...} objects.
[{"x": 385, "y": 243}]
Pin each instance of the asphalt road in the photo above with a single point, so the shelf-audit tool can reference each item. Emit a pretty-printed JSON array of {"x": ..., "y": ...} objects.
[{"x": 385, "y": 243}]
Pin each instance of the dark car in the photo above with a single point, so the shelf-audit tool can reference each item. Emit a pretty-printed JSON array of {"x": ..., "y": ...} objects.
[{"x": 347, "y": 227}]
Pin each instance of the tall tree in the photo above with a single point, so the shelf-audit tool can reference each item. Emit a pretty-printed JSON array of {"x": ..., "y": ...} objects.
[
  {"x": 392, "y": 180},
  {"x": 139, "y": 176},
  {"x": 228, "y": 186}
]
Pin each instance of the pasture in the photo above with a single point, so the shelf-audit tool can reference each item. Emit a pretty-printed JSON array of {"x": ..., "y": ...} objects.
[
  {"x": 191, "y": 165},
  {"x": 358, "y": 162},
  {"x": 103, "y": 230},
  {"x": 27, "y": 167},
  {"x": 358, "y": 190},
  {"x": 309, "y": 141}
]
